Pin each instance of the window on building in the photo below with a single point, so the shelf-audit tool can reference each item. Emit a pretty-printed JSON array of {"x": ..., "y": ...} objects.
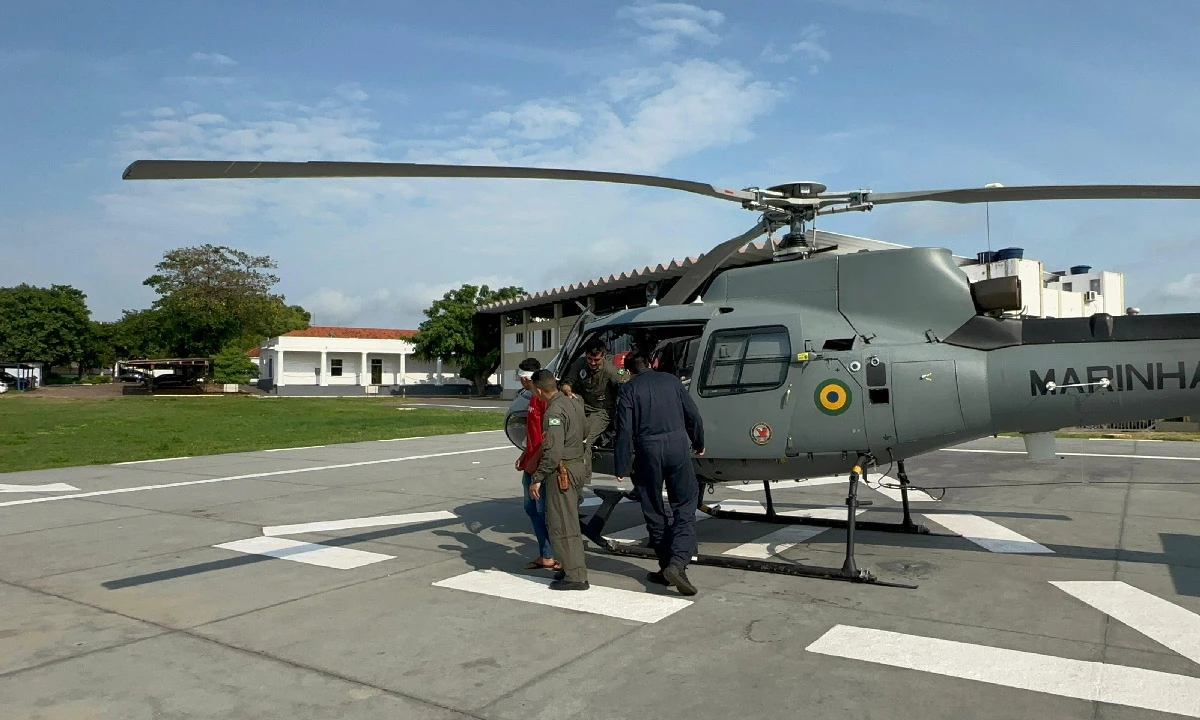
[
  {"x": 521, "y": 339},
  {"x": 1067, "y": 287},
  {"x": 1094, "y": 286},
  {"x": 335, "y": 367},
  {"x": 547, "y": 339},
  {"x": 746, "y": 360}
]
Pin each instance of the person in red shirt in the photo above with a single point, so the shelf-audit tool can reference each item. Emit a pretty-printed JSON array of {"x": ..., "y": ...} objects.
[{"x": 527, "y": 464}]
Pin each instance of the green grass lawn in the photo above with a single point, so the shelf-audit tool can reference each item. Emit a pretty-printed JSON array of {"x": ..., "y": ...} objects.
[{"x": 37, "y": 433}]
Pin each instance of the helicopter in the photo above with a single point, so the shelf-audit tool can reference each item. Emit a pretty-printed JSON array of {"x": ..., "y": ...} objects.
[{"x": 819, "y": 364}]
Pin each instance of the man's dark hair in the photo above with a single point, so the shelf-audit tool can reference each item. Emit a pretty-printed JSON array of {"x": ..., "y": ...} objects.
[
  {"x": 593, "y": 346},
  {"x": 544, "y": 380},
  {"x": 530, "y": 365},
  {"x": 636, "y": 361}
]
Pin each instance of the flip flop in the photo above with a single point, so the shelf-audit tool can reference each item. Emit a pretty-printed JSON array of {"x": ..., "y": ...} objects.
[{"x": 536, "y": 565}]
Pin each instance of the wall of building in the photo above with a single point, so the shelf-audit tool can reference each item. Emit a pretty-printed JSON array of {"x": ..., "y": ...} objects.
[
  {"x": 1051, "y": 295},
  {"x": 302, "y": 364}
]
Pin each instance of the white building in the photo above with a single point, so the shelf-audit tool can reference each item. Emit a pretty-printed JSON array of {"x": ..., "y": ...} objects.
[
  {"x": 1077, "y": 292},
  {"x": 326, "y": 360}
]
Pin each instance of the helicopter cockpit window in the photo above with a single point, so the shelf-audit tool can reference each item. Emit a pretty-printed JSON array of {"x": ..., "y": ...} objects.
[{"x": 747, "y": 360}]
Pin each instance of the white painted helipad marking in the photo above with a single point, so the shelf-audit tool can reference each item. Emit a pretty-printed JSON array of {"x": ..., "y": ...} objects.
[
  {"x": 1076, "y": 454},
  {"x": 306, "y": 447},
  {"x": 1085, "y": 680},
  {"x": 377, "y": 521},
  {"x": 459, "y": 407},
  {"x": 757, "y": 508},
  {"x": 639, "y": 532},
  {"x": 248, "y": 476},
  {"x": 308, "y": 553},
  {"x": 777, "y": 542},
  {"x": 138, "y": 462},
  {"x": 637, "y": 606},
  {"x": 415, "y": 437},
  {"x": 52, "y": 487},
  {"x": 593, "y": 500},
  {"x": 987, "y": 534},
  {"x": 792, "y": 484},
  {"x": 483, "y": 432},
  {"x": 1160, "y": 620}
]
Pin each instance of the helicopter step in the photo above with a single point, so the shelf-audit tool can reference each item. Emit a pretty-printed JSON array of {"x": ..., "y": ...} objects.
[{"x": 593, "y": 529}]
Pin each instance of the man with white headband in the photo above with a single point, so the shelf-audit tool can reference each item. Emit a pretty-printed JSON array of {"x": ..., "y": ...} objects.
[{"x": 535, "y": 508}]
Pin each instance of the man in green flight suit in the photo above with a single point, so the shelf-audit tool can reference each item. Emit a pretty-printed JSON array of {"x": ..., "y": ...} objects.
[
  {"x": 564, "y": 424},
  {"x": 597, "y": 381}
]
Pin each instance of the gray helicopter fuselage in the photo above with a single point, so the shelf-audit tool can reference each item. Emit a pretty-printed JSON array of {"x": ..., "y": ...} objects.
[{"x": 802, "y": 366}]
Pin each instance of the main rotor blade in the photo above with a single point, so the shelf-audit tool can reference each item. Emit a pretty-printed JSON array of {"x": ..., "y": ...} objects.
[
  {"x": 214, "y": 169},
  {"x": 699, "y": 273},
  {"x": 1042, "y": 192}
]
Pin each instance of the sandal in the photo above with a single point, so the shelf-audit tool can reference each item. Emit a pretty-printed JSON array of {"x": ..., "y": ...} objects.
[{"x": 539, "y": 565}]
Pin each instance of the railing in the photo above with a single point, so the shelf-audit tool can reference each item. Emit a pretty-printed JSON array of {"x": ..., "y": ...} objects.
[{"x": 1133, "y": 425}]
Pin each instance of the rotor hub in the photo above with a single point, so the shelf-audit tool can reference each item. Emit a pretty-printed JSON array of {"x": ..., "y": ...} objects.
[{"x": 799, "y": 189}]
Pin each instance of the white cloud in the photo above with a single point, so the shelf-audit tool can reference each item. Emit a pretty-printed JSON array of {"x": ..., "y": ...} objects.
[
  {"x": 351, "y": 92},
  {"x": 214, "y": 59},
  {"x": 670, "y": 22},
  {"x": 378, "y": 251},
  {"x": 808, "y": 48},
  {"x": 536, "y": 120}
]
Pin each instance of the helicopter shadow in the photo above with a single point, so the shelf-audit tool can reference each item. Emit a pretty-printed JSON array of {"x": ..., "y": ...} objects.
[{"x": 1180, "y": 554}]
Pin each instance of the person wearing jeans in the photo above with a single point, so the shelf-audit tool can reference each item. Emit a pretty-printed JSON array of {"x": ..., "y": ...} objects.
[{"x": 527, "y": 464}]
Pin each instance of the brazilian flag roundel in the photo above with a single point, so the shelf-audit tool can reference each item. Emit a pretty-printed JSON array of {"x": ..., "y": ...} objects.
[{"x": 832, "y": 397}]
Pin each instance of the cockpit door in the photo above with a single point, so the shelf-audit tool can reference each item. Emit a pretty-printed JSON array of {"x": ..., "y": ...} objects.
[{"x": 744, "y": 384}]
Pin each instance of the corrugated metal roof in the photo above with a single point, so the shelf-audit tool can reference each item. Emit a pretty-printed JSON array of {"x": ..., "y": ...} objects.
[{"x": 749, "y": 254}]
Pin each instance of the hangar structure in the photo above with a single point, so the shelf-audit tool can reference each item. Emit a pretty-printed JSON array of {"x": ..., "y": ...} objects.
[{"x": 534, "y": 325}]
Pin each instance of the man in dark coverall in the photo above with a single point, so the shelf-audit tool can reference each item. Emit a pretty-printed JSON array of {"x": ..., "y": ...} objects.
[
  {"x": 564, "y": 429},
  {"x": 658, "y": 423}
]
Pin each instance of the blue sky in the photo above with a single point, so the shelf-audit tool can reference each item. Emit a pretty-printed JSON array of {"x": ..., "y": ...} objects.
[{"x": 889, "y": 95}]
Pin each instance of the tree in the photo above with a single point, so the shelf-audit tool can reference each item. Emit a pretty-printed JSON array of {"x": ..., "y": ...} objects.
[
  {"x": 233, "y": 365},
  {"x": 212, "y": 296},
  {"x": 49, "y": 325},
  {"x": 454, "y": 332}
]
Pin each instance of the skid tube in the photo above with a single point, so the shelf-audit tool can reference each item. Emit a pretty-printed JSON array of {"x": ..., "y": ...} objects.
[
  {"x": 593, "y": 529},
  {"x": 906, "y": 525}
]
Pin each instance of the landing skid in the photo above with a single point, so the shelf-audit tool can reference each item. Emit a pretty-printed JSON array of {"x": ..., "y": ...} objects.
[
  {"x": 593, "y": 529},
  {"x": 904, "y": 526}
]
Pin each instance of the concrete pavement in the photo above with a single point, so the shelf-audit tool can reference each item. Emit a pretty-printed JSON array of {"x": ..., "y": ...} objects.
[{"x": 384, "y": 579}]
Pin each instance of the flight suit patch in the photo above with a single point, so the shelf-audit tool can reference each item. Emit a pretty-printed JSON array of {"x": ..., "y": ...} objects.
[{"x": 554, "y": 421}]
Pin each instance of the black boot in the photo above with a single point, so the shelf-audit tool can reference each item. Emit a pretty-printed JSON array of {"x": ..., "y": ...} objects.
[
  {"x": 569, "y": 585},
  {"x": 657, "y": 578},
  {"x": 678, "y": 577}
]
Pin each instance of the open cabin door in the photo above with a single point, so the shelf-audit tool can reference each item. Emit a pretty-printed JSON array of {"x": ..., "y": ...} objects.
[
  {"x": 570, "y": 345},
  {"x": 744, "y": 384}
]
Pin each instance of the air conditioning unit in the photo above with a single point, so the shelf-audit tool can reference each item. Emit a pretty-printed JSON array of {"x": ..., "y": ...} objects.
[{"x": 1089, "y": 296}]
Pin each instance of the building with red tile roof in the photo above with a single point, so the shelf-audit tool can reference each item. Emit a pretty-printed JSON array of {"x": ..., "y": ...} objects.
[{"x": 338, "y": 360}]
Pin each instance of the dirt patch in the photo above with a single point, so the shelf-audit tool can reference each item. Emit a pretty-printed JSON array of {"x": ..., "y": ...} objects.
[{"x": 74, "y": 391}]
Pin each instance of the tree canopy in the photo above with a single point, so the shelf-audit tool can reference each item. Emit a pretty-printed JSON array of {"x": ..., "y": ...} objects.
[
  {"x": 49, "y": 325},
  {"x": 214, "y": 297},
  {"x": 454, "y": 333}
]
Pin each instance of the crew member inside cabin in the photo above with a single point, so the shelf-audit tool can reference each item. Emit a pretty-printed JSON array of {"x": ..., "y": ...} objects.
[
  {"x": 596, "y": 380},
  {"x": 527, "y": 463}
]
